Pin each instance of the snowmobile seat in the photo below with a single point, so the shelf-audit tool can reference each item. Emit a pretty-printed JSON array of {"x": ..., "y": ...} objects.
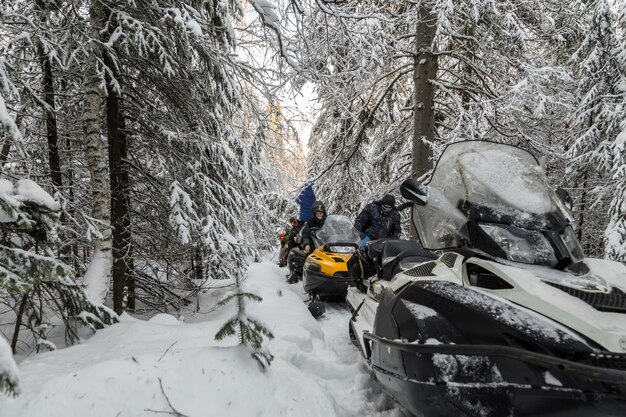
[
  {"x": 366, "y": 261},
  {"x": 384, "y": 258},
  {"x": 396, "y": 252}
]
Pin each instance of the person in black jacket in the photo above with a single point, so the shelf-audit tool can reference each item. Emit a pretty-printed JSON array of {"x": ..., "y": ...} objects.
[
  {"x": 379, "y": 219},
  {"x": 298, "y": 256},
  {"x": 289, "y": 240},
  {"x": 291, "y": 232},
  {"x": 319, "y": 217}
]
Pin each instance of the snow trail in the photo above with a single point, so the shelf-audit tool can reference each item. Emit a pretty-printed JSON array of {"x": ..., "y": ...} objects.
[
  {"x": 141, "y": 368},
  {"x": 341, "y": 369}
]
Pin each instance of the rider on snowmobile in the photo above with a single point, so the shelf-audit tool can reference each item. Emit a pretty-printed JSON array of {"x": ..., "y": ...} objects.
[
  {"x": 289, "y": 239},
  {"x": 379, "y": 219},
  {"x": 291, "y": 232},
  {"x": 298, "y": 256},
  {"x": 319, "y": 217}
]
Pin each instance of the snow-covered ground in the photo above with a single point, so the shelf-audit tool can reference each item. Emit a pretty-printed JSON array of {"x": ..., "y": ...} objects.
[{"x": 167, "y": 367}]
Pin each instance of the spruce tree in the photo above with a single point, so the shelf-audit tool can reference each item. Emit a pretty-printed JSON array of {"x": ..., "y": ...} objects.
[
  {"x": 41, "y": 288},
  {"x": 596, "y": 156},
  {"x": 248, "y": 331}
]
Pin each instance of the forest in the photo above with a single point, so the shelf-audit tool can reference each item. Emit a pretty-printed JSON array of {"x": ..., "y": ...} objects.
[{"x": 150, "y": 149}]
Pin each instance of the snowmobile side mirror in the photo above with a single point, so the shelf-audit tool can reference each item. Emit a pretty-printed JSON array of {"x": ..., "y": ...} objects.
[
  {"x": 414, "y": 191},
  {"x": 565, "y": 197}
]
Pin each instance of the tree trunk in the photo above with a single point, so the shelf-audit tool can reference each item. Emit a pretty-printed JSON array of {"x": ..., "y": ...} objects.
[
  {"x": 18, "y": 323},
  {"x": 54, "y": 159},
  {"x": 118, "y": 175},
  {"x": 425, "y": 70},
  {"x": 50, "y": 110},
  {"x": 98, "y": 273}
]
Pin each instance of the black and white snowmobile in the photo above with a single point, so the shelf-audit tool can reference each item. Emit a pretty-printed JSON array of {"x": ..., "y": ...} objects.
[{"x": 509, "y": 318}]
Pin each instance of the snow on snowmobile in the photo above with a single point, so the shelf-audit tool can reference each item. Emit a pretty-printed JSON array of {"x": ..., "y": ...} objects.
[
  {"x": 509, "y": 318},
  {"x": 325, "y": 272}
]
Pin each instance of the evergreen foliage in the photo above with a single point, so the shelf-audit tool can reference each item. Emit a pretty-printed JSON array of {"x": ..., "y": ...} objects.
[
  {"x": 181, "y": 122},
  {"x": 596, "y": 152},
  {"x": 247, "y": 330},
  {"x": 32, "y": 280}
]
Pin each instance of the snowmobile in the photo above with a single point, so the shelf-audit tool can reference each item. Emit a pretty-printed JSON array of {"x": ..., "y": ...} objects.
[
  {"x": 507, "y": 318},
  {"x": 325, "y": 272}
]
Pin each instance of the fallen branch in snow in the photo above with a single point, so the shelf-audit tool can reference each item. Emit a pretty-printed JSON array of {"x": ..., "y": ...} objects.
[
  {"x": 174, "y": 411},
  {"x": 166, "y": 350}
]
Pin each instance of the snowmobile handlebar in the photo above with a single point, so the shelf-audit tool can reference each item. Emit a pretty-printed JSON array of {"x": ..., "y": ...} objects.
[
  {"x": 405, "y": 205},
  {"x": 591, "y": 372}
]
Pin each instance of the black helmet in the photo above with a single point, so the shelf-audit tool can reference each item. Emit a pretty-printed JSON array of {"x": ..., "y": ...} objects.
[{"x": 318, "y": 206}]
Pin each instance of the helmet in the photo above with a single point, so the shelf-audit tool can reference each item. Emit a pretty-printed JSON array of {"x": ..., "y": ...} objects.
[{"x": 318, "y": 206}]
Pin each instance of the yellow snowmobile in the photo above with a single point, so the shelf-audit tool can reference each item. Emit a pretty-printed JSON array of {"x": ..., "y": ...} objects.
[{"x": 325, "y": 272}]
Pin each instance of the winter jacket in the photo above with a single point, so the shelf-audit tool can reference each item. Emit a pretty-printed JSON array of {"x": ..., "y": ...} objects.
[
  {"x": 377, "y": 225},
  {"x": 290, "y": 234},
  {"x": 306, "y": 230}
]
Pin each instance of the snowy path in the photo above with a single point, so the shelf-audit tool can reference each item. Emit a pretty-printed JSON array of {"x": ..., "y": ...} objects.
[
  {"x": 337, "y": 364},
  {"x": 164, "y": 366}
]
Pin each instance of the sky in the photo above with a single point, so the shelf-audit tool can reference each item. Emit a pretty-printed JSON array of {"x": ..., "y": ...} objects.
[
  {"x": 304, "y": 104},
  {"x": 168, "y": 364},
  {"x": 299, "y": 106}
]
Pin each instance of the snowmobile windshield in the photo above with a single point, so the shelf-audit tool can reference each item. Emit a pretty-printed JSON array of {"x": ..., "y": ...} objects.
[
  {"x": 491, "y": 183},
  {"x": 336, "y": 229}
]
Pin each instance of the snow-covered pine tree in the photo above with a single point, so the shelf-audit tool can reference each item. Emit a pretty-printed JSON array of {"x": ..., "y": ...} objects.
[
  {"x": 596, "y": 151},
  {"x": 39, "y": 288},
  {"x": 248, "y": 330},
  {"x": 182, "y": 139},
  {"x": 178, "y": 84},
  {"x": 615, "y": 233},
  {"x": 9, "y": 381}
]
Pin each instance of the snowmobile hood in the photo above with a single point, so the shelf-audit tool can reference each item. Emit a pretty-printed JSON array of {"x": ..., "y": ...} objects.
[
  {"x": 328, "y": 263},
  {"x": 592, "y": 305}
]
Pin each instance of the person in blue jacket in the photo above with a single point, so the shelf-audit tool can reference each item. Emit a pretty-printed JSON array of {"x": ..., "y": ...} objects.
[
  {"x": 379, "y": 219},
  {"x": 319, "y": 217}
]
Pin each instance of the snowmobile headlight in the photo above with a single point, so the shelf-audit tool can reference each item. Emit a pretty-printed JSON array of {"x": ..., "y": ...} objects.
[
  {"x": 342, "y": 249},
  {"x": 314, "y": 267},
  {"x": 571, "y": 242},
  {"x": 521, "y": 245}
]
